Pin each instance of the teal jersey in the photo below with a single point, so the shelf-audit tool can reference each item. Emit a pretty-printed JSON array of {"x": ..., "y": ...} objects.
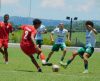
[
  {"x": 60, "y": 35},
  {"x": 90, "y": 39},
  {"x": 39, "y": 31}
]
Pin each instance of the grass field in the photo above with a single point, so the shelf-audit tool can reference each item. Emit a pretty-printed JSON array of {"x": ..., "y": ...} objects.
[{"x": 20, "y": 68}]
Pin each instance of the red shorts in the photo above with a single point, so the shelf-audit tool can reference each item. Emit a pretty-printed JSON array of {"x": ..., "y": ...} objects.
[
  {"x": 28, "y": 49},
  {"x": 4, "y": 43}
]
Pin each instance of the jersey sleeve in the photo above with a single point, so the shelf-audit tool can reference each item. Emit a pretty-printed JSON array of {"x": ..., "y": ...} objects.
[
  {"x": 66, "y": 31},
  {"x": 54, "y": 31},
  {"x": 22, "y": 27}
]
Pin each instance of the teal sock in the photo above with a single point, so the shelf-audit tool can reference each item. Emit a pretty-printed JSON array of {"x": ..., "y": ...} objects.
[
  {"x": 62, "y": 58},
  {"x": 69, "y": 61},
  {"x": 47, "y": 59},
  {"x": 86, "y": 66}
]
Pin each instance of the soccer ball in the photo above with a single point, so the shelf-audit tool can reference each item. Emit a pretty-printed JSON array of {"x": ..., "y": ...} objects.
[{"x": 55, "y": 68}]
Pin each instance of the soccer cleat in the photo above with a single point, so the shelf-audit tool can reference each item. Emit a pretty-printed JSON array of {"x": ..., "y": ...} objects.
[
  {"x": 39, "y": 70},
  {"x": 6, "y": 62},
  {"x": 47, "y": 64},
  {"x": 85, "y": 72},
  {"x": 64, "y": 65}
]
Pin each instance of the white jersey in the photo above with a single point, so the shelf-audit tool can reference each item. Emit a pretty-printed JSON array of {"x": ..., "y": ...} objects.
[
  {"x": 60, "y": 35},
  {"x": 39, "y": 31},
  {"x": 90, "y": 39}
]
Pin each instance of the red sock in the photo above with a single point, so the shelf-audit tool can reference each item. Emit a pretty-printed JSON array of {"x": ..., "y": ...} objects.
[{"x": 42, "y": 56}]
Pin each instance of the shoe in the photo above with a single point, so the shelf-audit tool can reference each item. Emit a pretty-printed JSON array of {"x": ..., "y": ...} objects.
[
  {"x": 39, "y": 70},
  {"x": 86, "y": 71},
  {"x": 6, "y": 62},
  {"x": 64, "y": 65},
  {"x": 47, "y": 64}
]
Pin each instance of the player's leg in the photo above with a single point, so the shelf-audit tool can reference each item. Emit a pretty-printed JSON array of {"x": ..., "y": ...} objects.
[
  {"x": 42, "y": 57},
  {"x": 64, "y": 49},
  {"x": 79, "y": 52},
  {"x": 6, "y": 55},
  {"x": 85, "y": 58},
  {"x": 6, "y": 50},
  {"x": 1, "y": 50},
  {"x": 35, "y": 63},
  {"x": 54, "y": 48},
  {"x": 38, "y": 54},
  {"x": 89, "y": 51},
  {"x": 49, "y": 56},
  {"x": 74, "y": 54},
  {"x": 39, "y": 43}
]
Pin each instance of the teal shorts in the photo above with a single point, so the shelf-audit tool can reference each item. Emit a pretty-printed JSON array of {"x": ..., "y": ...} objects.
[
  {"x": 56, "y": 47},
  {"x": 88, "y": 50},
  {"x": 39, "y": 42}
]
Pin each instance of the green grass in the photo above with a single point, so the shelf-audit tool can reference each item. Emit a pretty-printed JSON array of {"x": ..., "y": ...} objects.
[{"x": 20, "y": 68}]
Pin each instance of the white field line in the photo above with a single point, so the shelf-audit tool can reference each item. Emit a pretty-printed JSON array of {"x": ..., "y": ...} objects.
[{"x": 49, "y": 47}]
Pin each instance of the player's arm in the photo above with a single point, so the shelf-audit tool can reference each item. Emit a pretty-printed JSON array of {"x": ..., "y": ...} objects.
[
  {"x": 44, "y": 31},
  {"x": 11, "y": 30},
  {"x": 93, "y": 29},
  {"x": 68, "y": 37},
  {"x": 19, "y": 28},
  {"x": 51, "y": 37}
]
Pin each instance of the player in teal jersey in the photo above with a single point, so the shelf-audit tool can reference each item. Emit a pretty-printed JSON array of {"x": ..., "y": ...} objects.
[
  {"x": 86, "y": 51},
  {"x": 61, "y": 36},
  {"x": 39, "y": 39}
]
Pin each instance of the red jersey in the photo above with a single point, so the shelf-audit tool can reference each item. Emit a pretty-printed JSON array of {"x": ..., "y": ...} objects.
[
  {"x": 28, "y": 31},
  {"x": 5, "y": 29}
]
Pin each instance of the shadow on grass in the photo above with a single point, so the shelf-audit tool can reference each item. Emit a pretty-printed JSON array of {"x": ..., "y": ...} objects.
[{"x": 25, "y": 71}]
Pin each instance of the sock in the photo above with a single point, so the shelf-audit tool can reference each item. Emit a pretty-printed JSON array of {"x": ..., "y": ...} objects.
[
  {"x": 62, "y": 58},
  {"x": 42, "y": 56},
  {"x": 86, "y": 66},
  {"x": 47, "y": 59},
  {"x": 69, "y": 61}
]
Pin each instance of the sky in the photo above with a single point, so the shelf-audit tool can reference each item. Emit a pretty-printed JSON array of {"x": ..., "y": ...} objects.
[{"x": 52, "y": 9}]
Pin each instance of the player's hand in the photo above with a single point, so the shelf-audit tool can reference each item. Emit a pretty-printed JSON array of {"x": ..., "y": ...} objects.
[
  {"x": 52, "y": 41},
  {"x": 68, "y": 43},
  {"x": 12, "y": 34}
]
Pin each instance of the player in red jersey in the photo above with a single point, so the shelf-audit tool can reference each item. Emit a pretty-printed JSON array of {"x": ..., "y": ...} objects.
[
  {"x": 28, "y": 43},
  {"x": 5, "y": 29}
]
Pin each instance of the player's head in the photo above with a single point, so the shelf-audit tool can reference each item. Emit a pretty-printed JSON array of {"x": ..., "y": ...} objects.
[
  {"x": 6, "y": 17},
  {"x": 89, "y": 23},
  {"x": 61, "y": 26},
  {"x": 37, "y": 23}
]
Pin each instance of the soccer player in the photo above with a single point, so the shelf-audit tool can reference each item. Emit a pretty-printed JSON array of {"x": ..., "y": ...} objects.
[
  {"x": 39, "y": 39},
  {"x": 61, "y": 36},
  {"x": 85, "y": 52},
  {"x": 5, "y": 29},
  {"x": 28, "y": 43}
]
